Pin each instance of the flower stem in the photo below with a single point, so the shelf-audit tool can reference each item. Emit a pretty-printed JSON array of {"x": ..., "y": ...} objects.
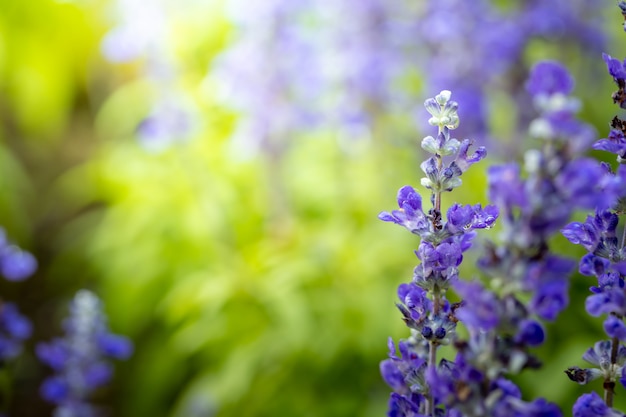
[
  {"x": 432, "y": 353},
  {"x": 432, "y": 360},
  {"x": 609, "y": 385}
]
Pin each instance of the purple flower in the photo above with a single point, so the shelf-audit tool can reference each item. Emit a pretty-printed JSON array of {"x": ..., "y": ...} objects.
[
  {"x": 457, "y": 51},
  {"x": 404, "y": 405},
  {"x": 538, "y": 408},
  {"x": 403, "y": 374},
  {"x": 591, "y": 405},
  {"x": 55, "y": 389},
  {"x": 14, "y": 330},
  {"x": 550, "y": 300},
  {"x": 611, "y": 299},
  {"x": 585, "y": 234},
  {"x": 481, "y": 310},
  {"x": 584, "y": 183},
  {"x": 592, "y": 265},
  {"x": 439, "y": 258},
  {"x": 416, "y": 306},
  {"x": 615, "y": 327},
  {"x": 410, "y": 214},
  {"x": 15, "y": 264},
  {"x": 79, "y": 359},
  {"x": 547, "y": 279},
  {"x": 617, "y": 68},
  {"x": 54, "y": 354},
  {"x": 393, "y": 376},
  {"x": 506, "y": 188},
  {"x": 614, "y": 143},
  {"x": 597, "y": 235},
  {"x": 530, "y": 333},
  {"x": 462, "y": 219},
  {"x": 433, "y": 321},
  {"x": 441, "y": 381},
  {"x": 600, "y": 355},
  {"x": 115, "y": 346},
  {"x": 463, "y": 161},
  {"x": 548, "y": 78}
]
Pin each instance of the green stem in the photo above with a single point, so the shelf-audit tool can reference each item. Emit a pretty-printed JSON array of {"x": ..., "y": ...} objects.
[
  {"x": 432, "y": 354},
  {"x": 609, "y": 384}
]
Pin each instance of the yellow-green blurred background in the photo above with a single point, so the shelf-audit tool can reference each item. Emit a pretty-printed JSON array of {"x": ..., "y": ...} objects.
[{"x": 251, "y": 285}]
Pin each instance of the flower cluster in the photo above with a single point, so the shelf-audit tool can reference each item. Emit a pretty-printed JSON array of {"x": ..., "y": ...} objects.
[
  {"x": 528, "y": 283},
  {"x": 457, "y": 52},
  {"x": 16, "y": 265},
  {"x": 79, "y": 359},
  {"x": 256, "y": 75},
  {"x": 503, "y": 324},
  {"x": 606, "y": 261},
  {"x": 423, "y": 303},
  {"x": 296, "y": 65}
]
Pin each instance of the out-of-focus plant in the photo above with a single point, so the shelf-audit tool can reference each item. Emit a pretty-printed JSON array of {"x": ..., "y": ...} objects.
[
  {"x": 605, "y": 261},
  {"x": 143, "y": 34},
  {"x": 79, "y": 358},
  {"x": 293, "y": 67}
]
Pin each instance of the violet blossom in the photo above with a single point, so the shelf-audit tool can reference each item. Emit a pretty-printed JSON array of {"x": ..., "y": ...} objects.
[
  {"x": 80, "y": 359},
  {"x": 421, "y": 384}
]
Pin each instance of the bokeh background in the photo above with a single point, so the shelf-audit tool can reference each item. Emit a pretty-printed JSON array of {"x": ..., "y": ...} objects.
[{"x": 213, "y": 170}]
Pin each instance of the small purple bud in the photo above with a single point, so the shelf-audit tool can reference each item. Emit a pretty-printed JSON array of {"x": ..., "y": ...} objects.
[
  {"x": 440, "y": 333},
  {"x": 531, "y": 333},
  {"x": 427, "y": 332}
]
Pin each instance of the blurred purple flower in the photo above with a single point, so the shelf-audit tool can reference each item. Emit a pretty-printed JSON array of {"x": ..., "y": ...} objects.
[
  {"x": 14, "y": 330},
  {"x": 15, "y": 264},
  {"x": 591, "y": 405},
  {"x": 167, "y": 123},
  {"x": 548, "y": 78},
  {"x": 79, "y": 359},
  {"x": 481, "y": 311}
]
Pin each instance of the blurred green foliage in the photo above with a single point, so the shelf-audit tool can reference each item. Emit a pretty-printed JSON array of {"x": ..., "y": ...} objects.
[{"x": 250, "y": 288}]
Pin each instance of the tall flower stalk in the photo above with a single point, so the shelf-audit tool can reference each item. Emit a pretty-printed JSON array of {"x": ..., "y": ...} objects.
[
  {"x": 424, "y": 306},
  {"x": 80, "y": 358},
  {"x": 528, "y": 283},
  {"x": 606, "y": 261}
]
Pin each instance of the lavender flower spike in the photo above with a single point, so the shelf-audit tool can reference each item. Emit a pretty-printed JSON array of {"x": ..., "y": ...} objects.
[
  {"x": 79, "y": 359},
  {"x": 421, "y": 385},
  {"x": 605, "y": 260}
]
